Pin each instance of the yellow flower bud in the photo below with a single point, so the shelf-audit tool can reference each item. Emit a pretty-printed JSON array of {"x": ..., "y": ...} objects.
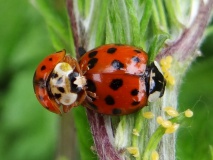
[
  {"x": 172, "y": 129},
  {"x": 135, "y": 132},
  {"x": 188, "y": 113},
  {"x": 148, "y": 115},
  {"x": 171, "y": 111},
  {"x": 166, "y": 123},
  {"x": 169, "y": 59},
  {"x": 160, "y": 120},
  {"x": 154, "y": 155},
  {"x": 133, "y": 151}
]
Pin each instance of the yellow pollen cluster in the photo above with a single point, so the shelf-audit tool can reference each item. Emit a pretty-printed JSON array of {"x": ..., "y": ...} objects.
[
  {"x": 188, "y": 113},
  {"x": 172, "y": 128},
  {"x": 168, "y": 125},
  {"x": 148, "y": 115},
  {"x": 160, "y": 120},
  {"x": 135, "y": 132},
  {"x": 165, "y": 66},
  {"x": 154, "y": 155},
  {"x": 133, "y": 151},
  {"x": 171, "y": 111}
]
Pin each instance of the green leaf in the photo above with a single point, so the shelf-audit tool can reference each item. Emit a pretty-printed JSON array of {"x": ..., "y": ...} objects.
[
  {"x": 85, "y": 140},
  {"x": 55, "y": 15},
  {"x": 211, "y": 151},
  {"x": 196, "y": 93},
  {"x": 159, "y": 16},
  {"x": 156, "y": 44},
  {"x": 25, "y": 125},
  {"x": 119, "y": 27},
  {"x": 145, "y": 20},
  {"x": 96, "y": 31}
]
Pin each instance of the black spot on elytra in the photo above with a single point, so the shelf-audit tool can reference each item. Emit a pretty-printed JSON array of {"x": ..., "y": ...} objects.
[
  {"x": 116, "y": 111},
  {"x": 109, "y": 100},
  {"x": 111, "y": 50},
  {"x": 47, "y": 108},
  {"x": 59, "y": 81},
  {"x": 134, "y": 92},
  {"x": 92, "y": 54},
  {"x": 117, "y": 64},
  {"x": 91, "y": 86},
  {"x": 93, "y": 106},
  {"x": 81, "y": 51},
  {"x": 116, "y": 83},
  {"x": 137, "y": 51},
  {"x": 57, "y": 96},
  {"x": 43, "y": 67},
  {"x": 50, "y": 59},
  {"x": 92, "y": 62},
  {"x": 136, "y": 59},
  {"x": 61, "y": 89},
  {"x": 135, "y": 103}
]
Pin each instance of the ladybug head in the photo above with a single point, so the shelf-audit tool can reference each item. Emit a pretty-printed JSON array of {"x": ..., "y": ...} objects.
[
  {"x": 65, "y": 85},
  {"x": 155, "y": 82}
]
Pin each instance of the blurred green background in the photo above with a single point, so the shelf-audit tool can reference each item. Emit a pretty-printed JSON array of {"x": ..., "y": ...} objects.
[{"x": 29, "y": 132}]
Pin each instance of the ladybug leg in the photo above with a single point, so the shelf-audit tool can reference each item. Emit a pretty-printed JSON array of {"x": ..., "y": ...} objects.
[
  {"x": 91, "y": 96},
  {"x": 78, "y": 68},
  {"x": 85, "y": 71},
  {"x": 67, "y": 108},
  {"x": 73, "y": 63},
  {"x": 82, "y": 98}
]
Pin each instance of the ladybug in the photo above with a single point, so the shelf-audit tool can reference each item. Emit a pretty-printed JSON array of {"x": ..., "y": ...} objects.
[
  {"x": 118, "y": 79},
  {"x": 111, "y": 79},
  {"x": 58, "y": 81}
]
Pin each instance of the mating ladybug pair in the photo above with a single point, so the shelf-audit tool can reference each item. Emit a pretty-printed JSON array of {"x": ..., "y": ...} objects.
[{"x": 111, "y": 79}]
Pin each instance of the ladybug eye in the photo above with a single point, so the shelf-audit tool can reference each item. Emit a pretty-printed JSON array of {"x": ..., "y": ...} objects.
[{"x": 156, "y": 82}]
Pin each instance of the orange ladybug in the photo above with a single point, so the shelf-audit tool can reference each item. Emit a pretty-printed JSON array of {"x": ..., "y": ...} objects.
[{"x": 58, "y": 81}]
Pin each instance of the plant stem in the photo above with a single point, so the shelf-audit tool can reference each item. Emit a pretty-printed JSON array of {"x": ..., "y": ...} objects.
[
  {"x": 184, "y": 51},
  {"x": 74, "y": 25},
  {"x": 103, "y": 138},
  {"x": 189, "y": 40}
]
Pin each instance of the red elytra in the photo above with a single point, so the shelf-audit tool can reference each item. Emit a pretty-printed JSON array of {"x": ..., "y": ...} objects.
[
  {"x": 115, "y": 79},
  {"x": 40, "y": 78}
]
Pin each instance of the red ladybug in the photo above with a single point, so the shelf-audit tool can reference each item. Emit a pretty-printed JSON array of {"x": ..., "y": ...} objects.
[{"x": 119, "y": 81}]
